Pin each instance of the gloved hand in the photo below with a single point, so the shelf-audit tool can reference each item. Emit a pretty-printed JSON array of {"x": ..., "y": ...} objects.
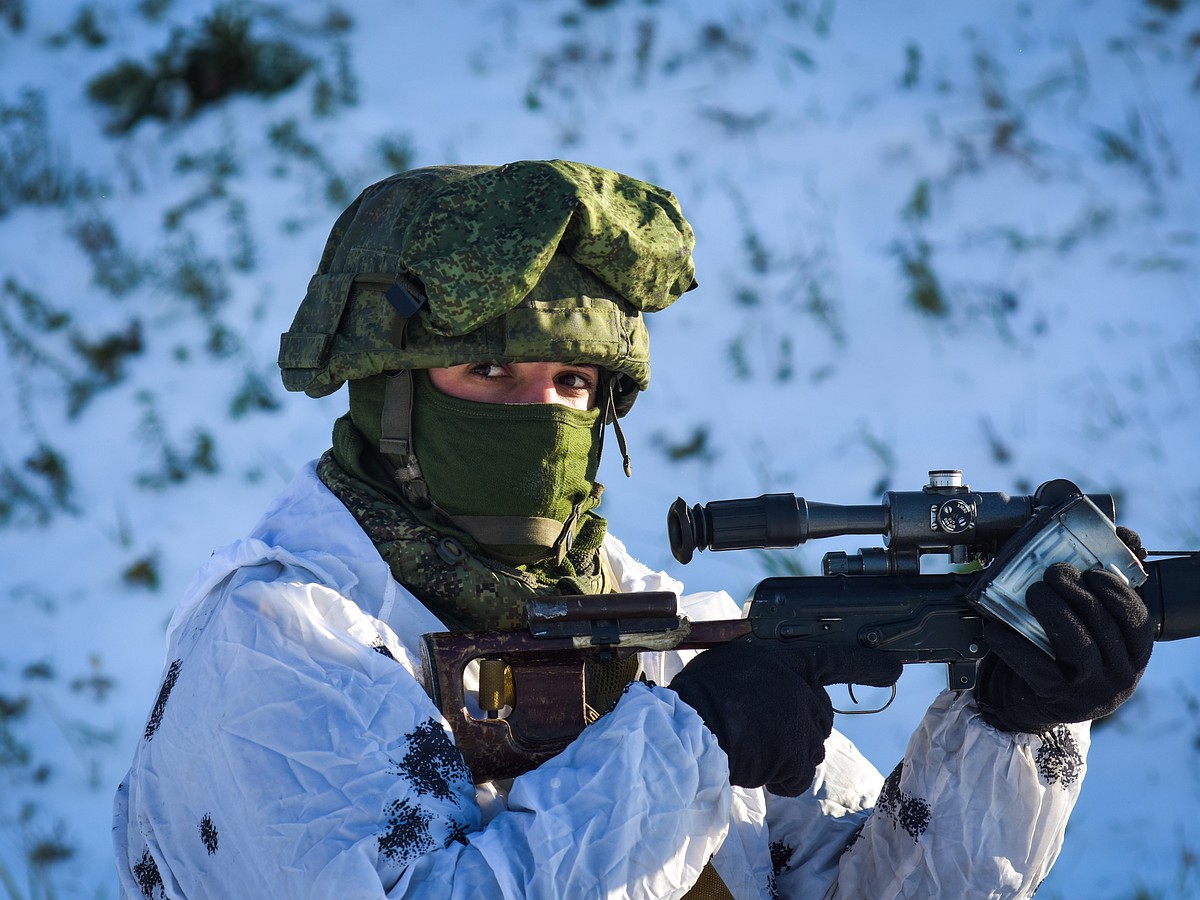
[
  {"x": 1133, "y": 541},
  {"x": 766, "y": 703},
  {"x": 1101, "y": 634}
]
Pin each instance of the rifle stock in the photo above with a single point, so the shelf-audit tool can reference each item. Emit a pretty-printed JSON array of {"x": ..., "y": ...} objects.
[{"x": 546, "y": 664}]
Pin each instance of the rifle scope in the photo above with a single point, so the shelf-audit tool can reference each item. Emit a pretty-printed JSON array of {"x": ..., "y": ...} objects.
[{"x": 943, "y": 517}]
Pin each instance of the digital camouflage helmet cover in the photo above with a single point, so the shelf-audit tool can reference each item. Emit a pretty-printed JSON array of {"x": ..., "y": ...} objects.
[{"x": 525, "y": 262}]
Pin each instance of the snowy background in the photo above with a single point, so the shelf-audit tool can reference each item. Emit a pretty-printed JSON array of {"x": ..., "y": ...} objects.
[{"x": 930, "y": 234}]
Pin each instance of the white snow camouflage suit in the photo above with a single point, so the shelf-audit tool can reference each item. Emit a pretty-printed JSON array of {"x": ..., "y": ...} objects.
[{"x": 293, "y": 752}]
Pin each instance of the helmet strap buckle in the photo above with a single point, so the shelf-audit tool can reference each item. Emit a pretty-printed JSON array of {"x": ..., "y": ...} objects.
[{"x": 395, "y": 436}]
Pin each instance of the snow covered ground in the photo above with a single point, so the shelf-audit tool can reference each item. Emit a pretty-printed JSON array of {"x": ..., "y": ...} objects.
[{"x": 930, "y": 235}]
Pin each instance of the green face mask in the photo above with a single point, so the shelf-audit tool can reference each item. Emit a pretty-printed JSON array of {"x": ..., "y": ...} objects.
[{"x": 516, "y": 477}]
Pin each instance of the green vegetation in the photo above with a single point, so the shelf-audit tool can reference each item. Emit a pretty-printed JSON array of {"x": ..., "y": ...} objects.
[{"x": 197, "y": 69}]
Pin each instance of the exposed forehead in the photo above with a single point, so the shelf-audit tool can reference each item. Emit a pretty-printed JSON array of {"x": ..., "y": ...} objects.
[{"x": 524, "y": 365}]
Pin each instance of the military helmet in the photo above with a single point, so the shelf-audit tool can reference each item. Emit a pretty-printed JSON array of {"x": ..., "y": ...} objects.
[{"x": 525, "y": 262}]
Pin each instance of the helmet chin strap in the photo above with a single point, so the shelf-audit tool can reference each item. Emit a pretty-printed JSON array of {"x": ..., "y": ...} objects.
[
  {"x": 395, "y": 439},
  {"x": 395, "y": 435}
]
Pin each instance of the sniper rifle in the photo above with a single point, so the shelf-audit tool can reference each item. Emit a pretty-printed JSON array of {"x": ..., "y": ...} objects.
[{"x": 530, "y": 697}]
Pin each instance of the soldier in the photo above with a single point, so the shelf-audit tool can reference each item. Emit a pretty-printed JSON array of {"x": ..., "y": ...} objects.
[{"x": 489, "y": 321}]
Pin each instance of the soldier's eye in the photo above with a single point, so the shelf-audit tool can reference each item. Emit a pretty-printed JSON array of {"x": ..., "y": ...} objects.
[{"x": 488, "y": 370}]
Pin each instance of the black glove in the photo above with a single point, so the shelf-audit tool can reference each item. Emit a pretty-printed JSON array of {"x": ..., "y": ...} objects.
[
  {"x": 1133, "y": 541},
  {"x": 1101, "y": 634},
  {"x": 765, "y": 701}
]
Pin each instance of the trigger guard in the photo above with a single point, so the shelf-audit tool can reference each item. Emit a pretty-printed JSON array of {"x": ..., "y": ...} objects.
[{"x": 864, "y": 712}]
